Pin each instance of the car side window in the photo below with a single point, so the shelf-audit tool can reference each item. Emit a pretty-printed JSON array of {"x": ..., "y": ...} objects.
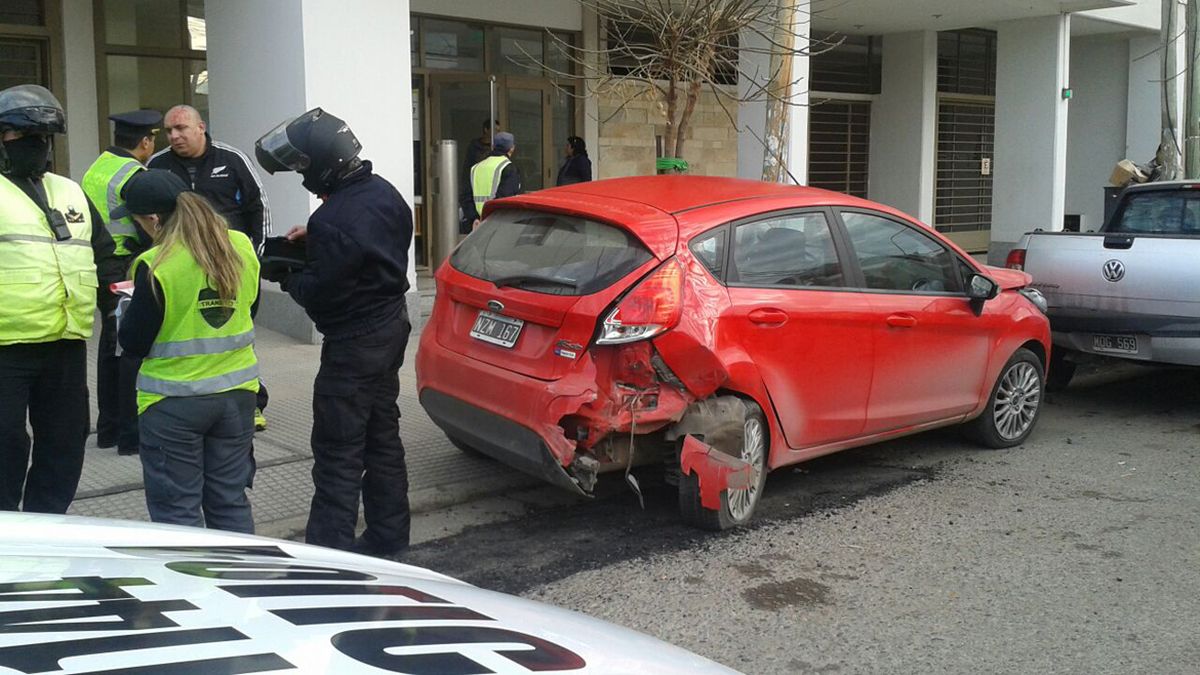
[
  {"x": 709, "y": 249},
  {"x": 792, "y": 250},
  {"x": 896, "y": 257}
]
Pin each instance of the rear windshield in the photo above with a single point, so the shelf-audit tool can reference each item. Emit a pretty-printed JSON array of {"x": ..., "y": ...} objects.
[
  {"x": 1159, "y": 212},
  {"x": 549, "y": 253}
]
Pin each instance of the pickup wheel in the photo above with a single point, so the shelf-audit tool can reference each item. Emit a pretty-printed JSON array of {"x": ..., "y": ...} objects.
[
  {"x": 1061, "y": 370},
  {"x": 737, "y": 506},
  {"x": 1013, "y": 407}
]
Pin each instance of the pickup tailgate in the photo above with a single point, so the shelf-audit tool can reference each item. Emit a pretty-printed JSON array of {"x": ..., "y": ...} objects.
[
  {"x": 1122, "y": 294},
  {"x": 1116, "y": 274}
]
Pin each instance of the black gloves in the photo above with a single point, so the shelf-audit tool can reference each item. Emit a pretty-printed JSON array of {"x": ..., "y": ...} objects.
[{"x": 276, "y": 270}]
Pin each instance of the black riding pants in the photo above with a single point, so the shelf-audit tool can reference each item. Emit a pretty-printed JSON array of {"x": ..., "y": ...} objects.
[
  {"x": 356, "y": 442},
  {"x": 45, "y": 383}
]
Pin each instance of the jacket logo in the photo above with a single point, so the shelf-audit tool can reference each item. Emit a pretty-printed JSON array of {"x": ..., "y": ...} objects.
[
  {"x": 219, "y": 172},
  {"x": 216, "y": 312},
  {"x": 73, "y": 216},
  {"x": 1114, "y": 270}
]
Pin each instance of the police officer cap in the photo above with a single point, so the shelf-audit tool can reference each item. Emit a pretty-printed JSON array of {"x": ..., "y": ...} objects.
[
  {"x": 149, "y": 192},
  {"x": 503, "y": 141},
  {"x": 137, "y": 121}
]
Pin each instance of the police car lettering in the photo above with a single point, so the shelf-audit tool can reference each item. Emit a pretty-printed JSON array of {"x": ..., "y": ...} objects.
[{"x": 118, "y": 618}]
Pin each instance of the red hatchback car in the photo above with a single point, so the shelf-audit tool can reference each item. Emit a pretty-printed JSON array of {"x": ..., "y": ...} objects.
[{"x": 727, "y": 327}]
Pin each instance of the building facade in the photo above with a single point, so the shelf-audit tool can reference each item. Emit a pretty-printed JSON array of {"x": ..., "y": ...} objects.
[{"x": 985, "y": 119}]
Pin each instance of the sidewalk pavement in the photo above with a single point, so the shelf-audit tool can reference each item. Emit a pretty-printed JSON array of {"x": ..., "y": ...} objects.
[{"x": 439, "y": 474}]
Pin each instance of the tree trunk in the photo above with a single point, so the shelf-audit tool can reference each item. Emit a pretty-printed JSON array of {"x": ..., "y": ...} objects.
[{"x": 779, "y": 93}]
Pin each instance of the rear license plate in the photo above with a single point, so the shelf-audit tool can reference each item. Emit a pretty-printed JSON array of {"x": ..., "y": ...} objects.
[
  {"x": 496, "y": 329},
  {"x": 1116, "y": 344}
]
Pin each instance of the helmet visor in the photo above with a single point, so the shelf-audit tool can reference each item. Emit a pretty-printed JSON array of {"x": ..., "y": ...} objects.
[{"x": 276, "y": 153}]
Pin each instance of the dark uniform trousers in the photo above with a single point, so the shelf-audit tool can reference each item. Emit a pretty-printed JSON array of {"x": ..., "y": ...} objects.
[
  {"x": 116, "y": 391},
  {"x": 49, "y": 381},
  {"x": 356, "y": 443}
]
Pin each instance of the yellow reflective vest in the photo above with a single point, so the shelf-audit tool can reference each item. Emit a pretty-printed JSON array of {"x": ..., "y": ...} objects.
[
  {"x": 47, "y": 287},
  {"x": 485, "y": 180},
  {"x": 204, "y": 346},
  {"x": 103, "y": 183}
]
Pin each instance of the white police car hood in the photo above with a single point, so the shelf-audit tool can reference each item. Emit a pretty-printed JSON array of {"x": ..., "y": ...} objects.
[{"x": 82, "y": 595}]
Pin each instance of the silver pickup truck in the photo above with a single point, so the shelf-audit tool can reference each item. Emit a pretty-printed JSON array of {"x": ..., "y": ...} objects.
[{"x": 1131, "y": 290}]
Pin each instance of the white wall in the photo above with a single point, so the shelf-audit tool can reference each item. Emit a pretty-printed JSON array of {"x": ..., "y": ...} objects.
[
  {"x": 1143, "y": 119},
  {"x": 1097, "y": 124},
  {"x": 1031, "y": 129},
  {"x": 753, "y": 69},
  {"x": 83, "y": 126},
  {"x": 274, "y": 59},
  {"x": 560, "y": 14},
  {"x": 256, "y": 73},
  {"x": 903, "y": 122}
]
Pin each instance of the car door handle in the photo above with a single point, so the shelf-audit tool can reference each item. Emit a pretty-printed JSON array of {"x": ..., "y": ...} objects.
[
  {"x": 902, "y": 321},
  {"x": 768, "y": 317}
]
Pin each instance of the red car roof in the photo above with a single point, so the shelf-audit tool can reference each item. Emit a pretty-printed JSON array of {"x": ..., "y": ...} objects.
[{"x": 650, "y": 202}]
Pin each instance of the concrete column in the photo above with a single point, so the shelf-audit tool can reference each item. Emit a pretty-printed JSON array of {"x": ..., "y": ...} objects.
[
  {"x": 1029, "y": 182},
  {"x": 79, "y": 54},
  {"x": 755, "y": 70},
  {"x": 273, "y": 59},
  {"x": 904, "y": 125}
]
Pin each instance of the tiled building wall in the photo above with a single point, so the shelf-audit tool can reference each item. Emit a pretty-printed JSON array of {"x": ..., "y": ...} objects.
[{"x": 627, "y": 135}]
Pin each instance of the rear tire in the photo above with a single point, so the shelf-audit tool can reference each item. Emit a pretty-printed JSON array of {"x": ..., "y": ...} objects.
[
  {"x": 1061, "y": 370},
  {"x": 737, "y": 507},
  {"x": 1014, "y": 405}
]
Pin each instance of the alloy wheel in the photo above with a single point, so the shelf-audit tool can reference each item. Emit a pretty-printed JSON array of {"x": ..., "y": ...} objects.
[
  {"x": 742, "y": 502},
  {"x": 1017, "y": 400}
]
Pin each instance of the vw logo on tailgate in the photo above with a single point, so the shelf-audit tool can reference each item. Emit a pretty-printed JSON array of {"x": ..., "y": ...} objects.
[{"x": 1114, "y": 270}]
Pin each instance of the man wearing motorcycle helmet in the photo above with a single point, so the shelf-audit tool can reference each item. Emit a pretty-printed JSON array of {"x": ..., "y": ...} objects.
[
  {"x": 352, "y": 286},
  {"x": 56, "y": 262}
]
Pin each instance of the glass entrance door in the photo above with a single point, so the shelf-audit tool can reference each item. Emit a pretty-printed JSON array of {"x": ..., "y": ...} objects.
[{"x": 526, "y": 115}]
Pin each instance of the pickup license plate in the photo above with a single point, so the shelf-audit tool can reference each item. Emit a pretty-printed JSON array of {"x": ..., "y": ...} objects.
[
  {"x": 1116, "y": 344},
  {"x": 496, "y": 329}
]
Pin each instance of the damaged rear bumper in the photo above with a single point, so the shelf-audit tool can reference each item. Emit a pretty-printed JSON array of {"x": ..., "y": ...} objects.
[{"x": 497, "y": 437}]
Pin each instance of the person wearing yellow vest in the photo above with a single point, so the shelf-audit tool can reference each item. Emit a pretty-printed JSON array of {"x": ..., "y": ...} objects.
[
  {"x": 54, "y": 256},
  {"x": 496, "y": 176},
  {"x": 133, "y": 144},
  {"x": 189, "y": 321}
]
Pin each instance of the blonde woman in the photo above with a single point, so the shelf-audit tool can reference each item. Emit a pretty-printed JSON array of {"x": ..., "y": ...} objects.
[{"x": 190, "y": 321}]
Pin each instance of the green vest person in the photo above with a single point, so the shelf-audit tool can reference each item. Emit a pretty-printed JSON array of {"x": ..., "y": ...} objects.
[
  {"x": 53, "y": 255},
  {"x": 133, "y": 144},
  {"x": 496, "y": 176},
  {"x": 189, "y": 321}
]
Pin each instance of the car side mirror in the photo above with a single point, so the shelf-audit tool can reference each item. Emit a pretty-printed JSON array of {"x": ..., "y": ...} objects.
[{"x": 981, "y": 289}]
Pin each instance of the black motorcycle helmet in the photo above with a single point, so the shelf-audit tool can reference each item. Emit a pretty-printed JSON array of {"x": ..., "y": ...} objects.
[
  {"x": 317, "y": 145},
  {"x": 32, "y": 109}
]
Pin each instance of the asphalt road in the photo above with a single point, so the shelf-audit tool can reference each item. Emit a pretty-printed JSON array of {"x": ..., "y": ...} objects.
[{"x": 1078, "y": 552}]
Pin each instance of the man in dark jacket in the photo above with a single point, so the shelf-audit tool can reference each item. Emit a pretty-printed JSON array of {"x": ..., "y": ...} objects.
[
  {"x": 352, "y": 286},
  {"x": 576, "y": 167},
  {"x": 216, "y": 171}
]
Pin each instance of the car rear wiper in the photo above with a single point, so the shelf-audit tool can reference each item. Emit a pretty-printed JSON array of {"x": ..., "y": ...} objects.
[{"x": 519, "y": 279}]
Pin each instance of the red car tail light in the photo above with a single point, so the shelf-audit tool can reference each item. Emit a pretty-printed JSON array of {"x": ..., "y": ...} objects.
[
  {"x": 1016, "y": 259},
  {"x": 652, "y": 307}
]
